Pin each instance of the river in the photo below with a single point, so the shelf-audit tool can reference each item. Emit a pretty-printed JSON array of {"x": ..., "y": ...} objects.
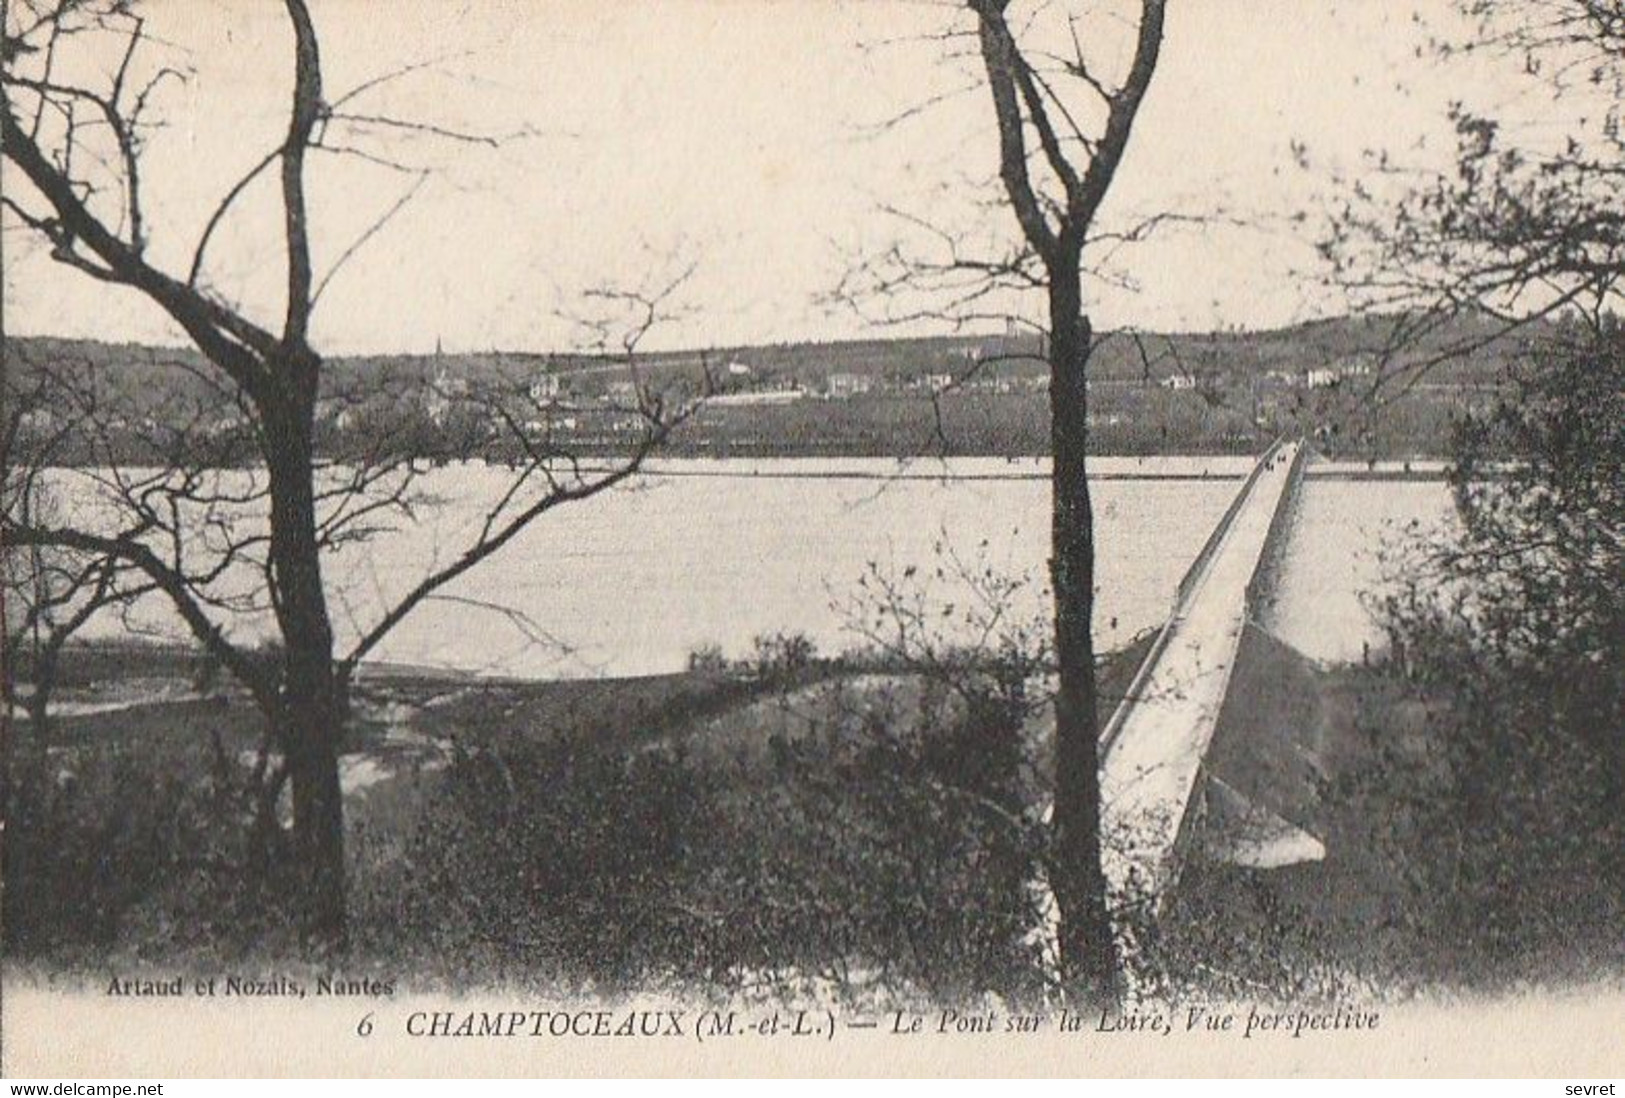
[{"x": 716, "y": 552}]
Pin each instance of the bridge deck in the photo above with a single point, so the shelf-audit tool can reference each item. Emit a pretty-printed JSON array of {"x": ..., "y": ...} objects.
[{"x": 1156, "y": 741}]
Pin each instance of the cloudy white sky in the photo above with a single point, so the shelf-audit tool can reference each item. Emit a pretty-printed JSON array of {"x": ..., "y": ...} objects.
[{"x": 738, "y": 135}]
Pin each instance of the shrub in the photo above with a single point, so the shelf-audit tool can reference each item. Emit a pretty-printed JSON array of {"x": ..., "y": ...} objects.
[
  {"x": 549, "y": 862},
  {"x": 708, "y": 659},
  {"x": 1506, "y": 808},
  {"x": 126, "y": 845},
  {"x": 779, "y": 657},
  {"x": 890, "y": 853},
  {"x": 887, "y": 847}
]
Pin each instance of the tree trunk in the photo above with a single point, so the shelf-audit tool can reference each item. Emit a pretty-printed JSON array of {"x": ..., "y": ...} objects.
[
  {"x": 311, "y": 713},
  {"x": 312, "y": 725},
  {"x": 1088, "y": 952}
]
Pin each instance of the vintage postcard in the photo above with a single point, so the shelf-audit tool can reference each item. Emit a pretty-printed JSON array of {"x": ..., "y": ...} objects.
[{"x": 716, "y": 537}]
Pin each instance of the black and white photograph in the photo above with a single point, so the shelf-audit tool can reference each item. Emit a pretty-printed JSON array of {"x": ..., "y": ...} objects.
[{"x": 904, "y": 537}]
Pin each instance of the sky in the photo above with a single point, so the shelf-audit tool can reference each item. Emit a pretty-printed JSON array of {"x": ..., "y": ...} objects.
[{"x": 742, "y": 141}]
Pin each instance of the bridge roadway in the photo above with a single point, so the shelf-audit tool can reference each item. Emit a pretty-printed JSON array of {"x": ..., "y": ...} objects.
[{"x": 1155, "y": 743}]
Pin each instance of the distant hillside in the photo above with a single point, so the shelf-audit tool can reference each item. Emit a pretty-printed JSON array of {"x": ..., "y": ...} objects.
[
  {"x": 1225, "y": 392},
  {"x": 1338, "y": 343}
]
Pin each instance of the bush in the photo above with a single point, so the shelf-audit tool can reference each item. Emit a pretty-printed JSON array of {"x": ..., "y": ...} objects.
[
  {"x": 125, "y": 845},
  {"x": 886, "y": 847},
  {"x": 549, "y": 863},
  {"x": 1507, "y": 807},
  {"x": 892, "y": 852},
  {"x": 779, "y": 657},
  {"x": 708, "y": 659}
]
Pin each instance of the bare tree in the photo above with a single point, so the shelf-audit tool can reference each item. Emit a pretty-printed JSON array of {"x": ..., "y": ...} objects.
[
  {"x": 1027, "y": 101},
  {"x": 223, "y": 476},
  {"x": 46, "y": 595},
  {"x": 1524, "y": 223},
  {"x": 1066, "y": 86}
]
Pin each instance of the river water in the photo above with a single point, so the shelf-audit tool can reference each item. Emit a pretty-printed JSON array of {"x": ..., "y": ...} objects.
[{"x": 716, "y": 552}]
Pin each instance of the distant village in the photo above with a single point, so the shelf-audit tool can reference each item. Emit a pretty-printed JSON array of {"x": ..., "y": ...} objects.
[
  {"x": 891, "y": 397},
  {"x": 994, "y": 392}
]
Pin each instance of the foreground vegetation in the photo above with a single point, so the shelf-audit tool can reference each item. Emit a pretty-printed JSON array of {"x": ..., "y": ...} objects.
[{"x": 775, "y": 823}]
